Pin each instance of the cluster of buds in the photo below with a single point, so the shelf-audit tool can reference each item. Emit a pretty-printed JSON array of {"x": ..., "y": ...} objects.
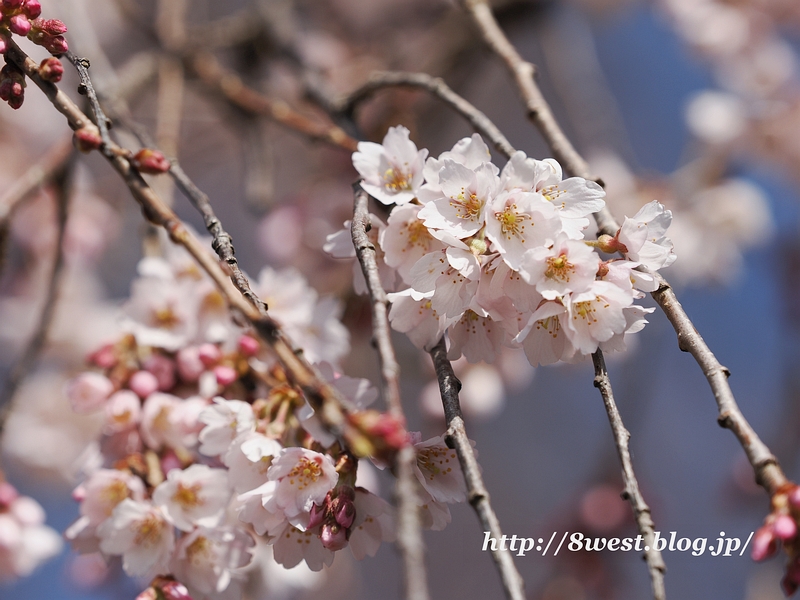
[
  {"x": 780, "y": 528},
  {"x": 21, "y": 17},
  {"x": 12, "y": 85},
  {"x": 336, "y": 515}
]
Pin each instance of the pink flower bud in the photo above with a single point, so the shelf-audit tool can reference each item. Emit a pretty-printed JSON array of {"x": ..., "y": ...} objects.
[
  {"x": 8, "y": 493},
  {"x": 143, "y": 383},
  {"x": 52, "y": 27},
  {"x": 104, "y": 357},
  {"x": 3, "y": 44},
  {"x": 225, "y": 375},
  {"x": 209, "y": 354},
  {"x": 19, "y": 24},
  {"x": 345, "y": 513},
  {"x": 764, "y": 544},
  {"x": 88, "y": 392},
  {"x": 164, "y": 370},
  {"x": 55, "y": 44},
  {"x": 6, "y": 86},
  {"x": 248, "y": 345},
  {"x": 151, "y": 161},
  {"x": 784, "y": 527},
  {"x": 32, "y": 9},
  {"x": 190, "y": 367},
  {"x": 87, "y": 138},
  {"x": 333, "y": 537},
  {"x": 51, "y": 69},
  {"x": 16, "y": 101},
  {"x": 315, "y": 516},
  {"x": 12, "y": 4}
]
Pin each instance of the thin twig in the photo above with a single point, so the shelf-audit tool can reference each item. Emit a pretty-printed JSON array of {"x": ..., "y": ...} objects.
[
  {"x": 409, "y": 533},
  {"x": 435, "y": 86},
  {"x": 231, "y": 87},
  {"x": 37, "y": 341},
  {"x": 87, "y": 88},
  {"x": 334, "y": 410},
  {"x": 767, "y": 471},
  {"x": 478, "y": 495},
  {"x": 632, "y": 493}
]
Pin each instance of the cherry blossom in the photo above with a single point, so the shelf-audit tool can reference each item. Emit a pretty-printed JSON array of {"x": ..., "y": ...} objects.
[
  {"x": 141, "y": 533},
  {"x": 392, "y": 171},
  {"x": 194, "y": 496}
]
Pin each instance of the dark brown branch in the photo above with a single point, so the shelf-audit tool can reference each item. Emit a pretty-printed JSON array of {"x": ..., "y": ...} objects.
[
  {"x": 767, "y": 471},
  {"x": 409, "y": 533},
  {"x": 478, "y": 495},
  {"x": 435, "y": 86},
  {"x": 37, "y": 341},
  {"x": 632, "y": 493}
]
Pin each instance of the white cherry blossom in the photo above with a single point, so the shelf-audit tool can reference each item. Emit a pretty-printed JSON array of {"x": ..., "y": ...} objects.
[
  {"x": 224, "y": 421},
  {"x": 303, "y": 477},
  {"x": 595, "y": 315},
  {"x": 197, "y": 495},
  {"x": 566, "y": 266},
  {"x": 140, "y": 533},
  {"x": 392, "y": 171},
  {"x": 644, "y": 236},
  {"x": 438, "y": 470}
]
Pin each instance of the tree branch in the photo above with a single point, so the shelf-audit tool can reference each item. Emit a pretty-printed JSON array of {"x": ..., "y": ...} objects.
[
  {"x": 409, "y": 533},
  {"x": 435, "y": 86},
  {"x": 767, "y": 471},
  {"x": 456, "y": 437},
  {"x": 632, "y": 493},
  {"x": 231, "y": 87}
]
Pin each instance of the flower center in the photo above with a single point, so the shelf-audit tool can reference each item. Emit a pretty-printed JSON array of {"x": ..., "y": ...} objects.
[
  {"x": 148, "y": 531},
  {"x": 396, "y": 180},
  {"x": 558, "y": 267},
  {"x": 512, "y": 223},
  {"x": 187, "y": 496},
  {"x": 467, "y": 206},
  {"x": 305, "y": 472},
  {"x": 434, "y": 461}
]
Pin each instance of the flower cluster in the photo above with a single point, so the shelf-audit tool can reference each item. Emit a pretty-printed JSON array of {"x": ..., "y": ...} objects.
[
  {"x": 206, "y": 442},
  {"x": 21, "y": 17},
  {"x": 499, "y": 257}
]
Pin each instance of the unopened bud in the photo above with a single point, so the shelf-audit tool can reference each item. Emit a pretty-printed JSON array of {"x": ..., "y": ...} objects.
[
  {"x": 51, "y": 69},
  {"x": 19, "y": 24},
  {"x": 784, "y": 527},
  {"x": 209, "y": 354},
  {"x": 87, "y": 138},
  {"x": 248, "y": 345},
  {"x": 764, "y": 544},
  {"x": 333, "y": 537},
  {"x": 225, "y": 375},
  {"x": 143, "y": 383},
  {"x": 345, "y": 513},
  {"x": 51, "y": 27},
  {"x": 12, "y": 4},
  {"x": 55, "y": 44},
  {"x": 3, "y": 44},
  {"x": 151, "y": 161},
  {"x": 315, "y": 516},
  {"x": 32, "y": 9},
  {"x": 610, "y": 245}
]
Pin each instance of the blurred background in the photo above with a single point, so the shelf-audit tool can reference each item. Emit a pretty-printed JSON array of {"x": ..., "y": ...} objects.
[{"x": 694, "y": 103}]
